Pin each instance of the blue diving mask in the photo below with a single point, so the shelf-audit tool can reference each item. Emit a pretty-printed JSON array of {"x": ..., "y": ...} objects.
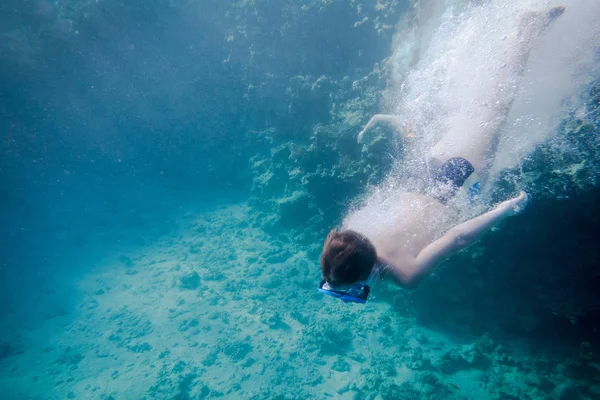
[{"x": 357, "y": 292}]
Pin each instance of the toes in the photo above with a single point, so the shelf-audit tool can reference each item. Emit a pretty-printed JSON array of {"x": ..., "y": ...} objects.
[{"x": 555, "y": 12}]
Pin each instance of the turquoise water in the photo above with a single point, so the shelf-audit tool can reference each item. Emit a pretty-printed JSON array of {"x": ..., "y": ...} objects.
[{"x": 170, "y": 170}]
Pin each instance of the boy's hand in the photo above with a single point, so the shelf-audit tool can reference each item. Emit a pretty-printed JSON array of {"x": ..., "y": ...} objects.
[
  {"x": 515, "y": 205},
  {"x": 360, "y": 135},
  {"x": 375, "y": 118}
]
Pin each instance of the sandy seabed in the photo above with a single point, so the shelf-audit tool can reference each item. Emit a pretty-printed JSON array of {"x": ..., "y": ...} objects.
[{"x": 219, "y": 309}]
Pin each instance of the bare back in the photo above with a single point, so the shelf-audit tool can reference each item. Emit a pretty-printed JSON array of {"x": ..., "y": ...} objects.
[{"x": 401, "y": 225}]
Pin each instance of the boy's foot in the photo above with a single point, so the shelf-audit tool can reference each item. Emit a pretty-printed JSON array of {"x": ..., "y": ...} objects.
[
  {"x": 534, "y": 23},
  {"x": 554, "y": 13}
]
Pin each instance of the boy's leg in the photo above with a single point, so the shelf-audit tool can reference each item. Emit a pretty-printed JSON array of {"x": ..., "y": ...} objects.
[
  {"x": 470, "y": 139},
  {"x": 474, "y": 137}
]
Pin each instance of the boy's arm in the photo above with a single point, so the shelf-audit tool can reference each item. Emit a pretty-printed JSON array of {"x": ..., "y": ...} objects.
[
  {"x": 395, "y": 121},
  {"x": 457, "y": 238}
]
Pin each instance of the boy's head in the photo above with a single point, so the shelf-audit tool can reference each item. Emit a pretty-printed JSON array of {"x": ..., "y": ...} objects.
[{"x": 347, "y": 257}]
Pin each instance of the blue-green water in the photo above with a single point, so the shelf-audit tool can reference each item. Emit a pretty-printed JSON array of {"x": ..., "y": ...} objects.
[{"x": 169, "y": 170}]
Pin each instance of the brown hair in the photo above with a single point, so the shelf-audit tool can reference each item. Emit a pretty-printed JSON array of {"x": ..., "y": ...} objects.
[{"x": 347, "y": 257}]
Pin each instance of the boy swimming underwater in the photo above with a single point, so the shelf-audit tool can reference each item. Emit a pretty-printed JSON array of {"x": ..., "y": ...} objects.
[{"x": 407, "y": 246}]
